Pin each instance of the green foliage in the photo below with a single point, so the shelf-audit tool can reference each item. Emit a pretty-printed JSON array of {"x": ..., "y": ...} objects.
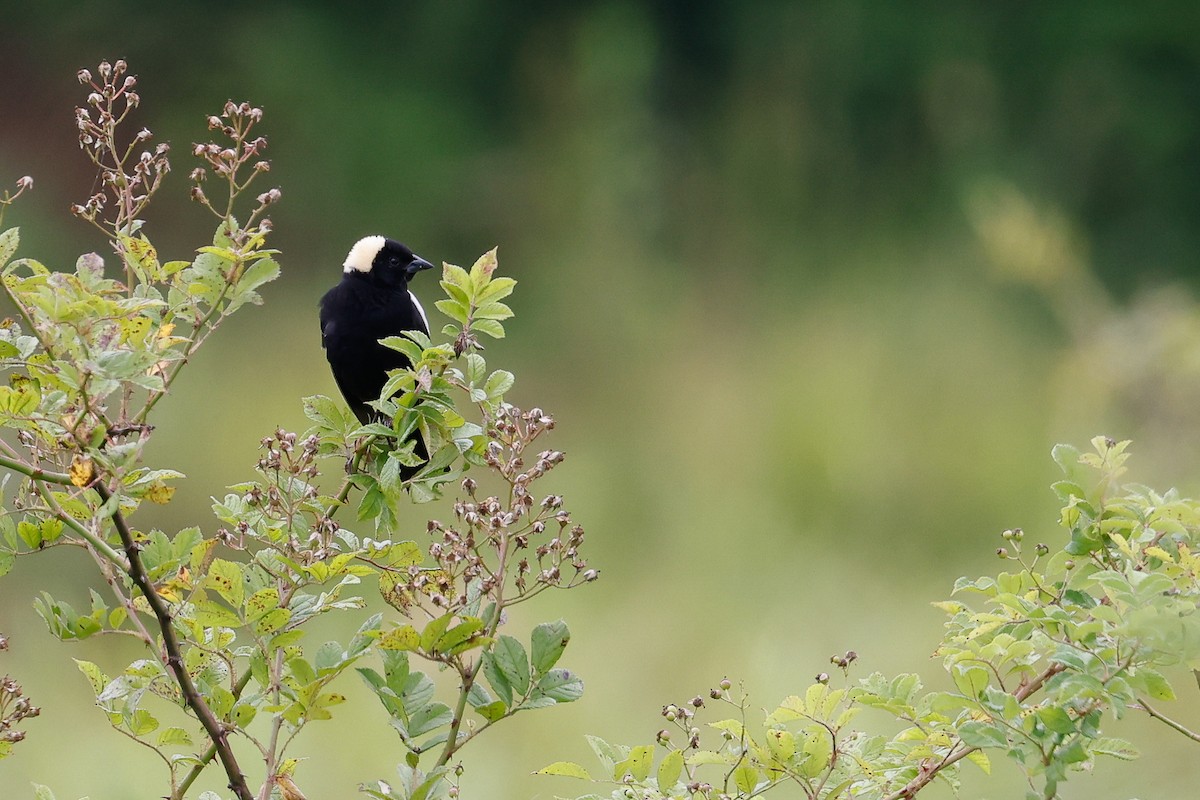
[
  {"x": 1037, "y": 658},
  {"x": 224, "y": 612}
]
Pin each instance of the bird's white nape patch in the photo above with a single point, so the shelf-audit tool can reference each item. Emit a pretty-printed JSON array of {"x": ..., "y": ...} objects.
[
  {"x": 420, "y": 309},
  {"x": 363, "y": 253}
]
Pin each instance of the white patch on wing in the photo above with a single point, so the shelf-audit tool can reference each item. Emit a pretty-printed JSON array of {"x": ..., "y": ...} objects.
[
  {"x": 420, "y": 310},
  {"x": 363, "y": 253}
]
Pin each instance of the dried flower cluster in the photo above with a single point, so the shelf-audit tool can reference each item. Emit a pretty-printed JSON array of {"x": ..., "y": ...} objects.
[
  {"x": 494, "y": 539},
  {"x": 128, "y": 178},
  {"x": 284, "y": 503},
  {"x": 14, "y": 706},
  {"x": 228, "y": 160}
]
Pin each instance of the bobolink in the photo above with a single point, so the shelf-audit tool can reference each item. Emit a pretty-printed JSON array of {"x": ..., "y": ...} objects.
[{"x": 371, "y": 302}]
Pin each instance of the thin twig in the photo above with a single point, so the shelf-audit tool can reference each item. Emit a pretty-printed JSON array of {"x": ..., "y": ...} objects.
[{"x": 1170, "y": 723}]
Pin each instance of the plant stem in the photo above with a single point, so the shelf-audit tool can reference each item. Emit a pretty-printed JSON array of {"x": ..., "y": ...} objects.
[
  {"x": 1170, "y": 723},
  {"x": 36, "y": 473},
  {"x": 174, "y": 658}
]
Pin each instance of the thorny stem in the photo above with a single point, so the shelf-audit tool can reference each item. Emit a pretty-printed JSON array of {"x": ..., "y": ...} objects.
[
  {"x": 955, "y": 754},
  {"x": 174, "y": 659}
]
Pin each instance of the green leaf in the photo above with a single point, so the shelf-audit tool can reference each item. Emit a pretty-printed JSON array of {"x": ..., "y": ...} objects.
[
  {"x": 561, "y": 686},
  {"x": 434, "y": 630},
  {"x": 1056, "y": 719},
  {"x": 496, "y": 289},
  {"x": 457, "y": 276},
  {"x": 1116, "y": 748},
  {"x": 971, "y": 680},
  {"x": 637, "y": 764},
  {"x": 141, "y": 722},
  {"x": 607, "y": 754},
  {"x": 460, "y": 638},
  {"x": 452, "y": 309},
  {"x": 273, "y": 621},
  {"x": 262, "y": 271},
  {"x": 1156, "y": 685},
  {"x": 548, "y": 642},
  {"x": 745, "y": 777},
  {"x": 496, "y": 678},
  {"x": 567, "y": 769},
  {"x": 489, "y": 326},
  {"x": 982, "y": 734},
  {"x": 212, "y": 614},
  {"x": 482, "y": 269},
  {"x": 510, "y": 657},
  {"x": 669, "y": 771},
  {"x": 174, "y": 736},
  {"x": 30, "y": 534},
  {"x": 261, "y": 602},
  {"x": 498, "y": 383}
]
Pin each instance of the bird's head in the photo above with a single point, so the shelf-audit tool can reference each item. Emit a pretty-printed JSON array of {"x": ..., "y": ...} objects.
[{"x": 383, "y": 261}]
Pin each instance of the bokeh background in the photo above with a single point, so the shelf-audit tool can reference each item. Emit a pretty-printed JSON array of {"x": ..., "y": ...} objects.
[{"x": 812, "y": 289}]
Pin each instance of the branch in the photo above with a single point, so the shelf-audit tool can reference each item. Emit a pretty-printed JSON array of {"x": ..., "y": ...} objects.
[
  {"x": 36, "y": 473},
  {"x": 174, "y": 659},
  {"x": 925, "y": 777},
  {"x": 1170, "y": 723}
]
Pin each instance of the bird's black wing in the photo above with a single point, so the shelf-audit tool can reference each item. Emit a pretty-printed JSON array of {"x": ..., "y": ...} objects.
[{"x": 352, "y": 323}]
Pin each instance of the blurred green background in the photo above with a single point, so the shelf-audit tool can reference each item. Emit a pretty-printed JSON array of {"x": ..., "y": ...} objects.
[{"x": 812, "y": 288}]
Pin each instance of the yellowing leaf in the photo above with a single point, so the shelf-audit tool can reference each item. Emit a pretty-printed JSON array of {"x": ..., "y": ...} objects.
[
  {"x": 482, "y": 269},
  {"x": 81, "y": 471},
  {"x": 402, "y": 638},
  {"x": 159, "y": 493},
  {"x": 980, "y": 759}
]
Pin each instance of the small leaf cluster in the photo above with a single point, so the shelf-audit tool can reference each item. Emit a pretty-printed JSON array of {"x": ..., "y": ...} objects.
[{"x": 1037, "y": 657}]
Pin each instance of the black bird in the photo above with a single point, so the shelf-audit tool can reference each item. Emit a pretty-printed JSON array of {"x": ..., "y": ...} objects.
[{"x": 371, "y": 302}]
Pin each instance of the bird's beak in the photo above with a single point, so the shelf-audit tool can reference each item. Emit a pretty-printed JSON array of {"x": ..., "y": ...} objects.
[{"x": 417, "y": 265}]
